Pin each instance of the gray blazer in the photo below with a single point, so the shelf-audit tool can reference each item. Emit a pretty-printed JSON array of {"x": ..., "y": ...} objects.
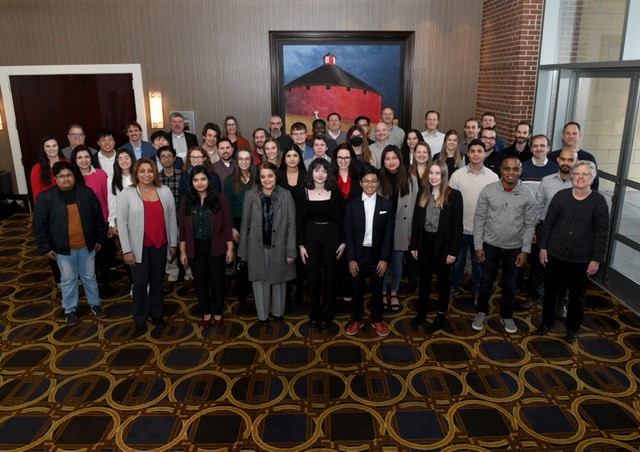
[
  {"x": 130, "y": 219},
  {"x": 283, "y": 238},
  {"x": 404, "y": 217}
]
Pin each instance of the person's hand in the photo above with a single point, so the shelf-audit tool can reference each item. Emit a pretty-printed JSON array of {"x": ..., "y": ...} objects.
[
  {"x": 381, "y": 268},
  {"x": 303, "y": 254},
  {"x": 110, "y": 233},
  {"x": 521, "y": 260},
  {"x": 172, "y": 251},
  {"x": 183, "y": 259},
  {"x": 353, "y": 268},
  {"x": 414, "y": 253},
  {"x": 480, "y": 256},
  {"x": 129, "y": 258},
  {"x": 229, "y": 257},
  {"x": 98, "y": 247},
  {"x": 592, "y": 268},
  {"x": 450, "y": 259},
  {"x": 291, "y": 260},
  {"x": 236, "y": 235},
  {"x": 535, "y": 238},
  {"x": 52, "y": 255},
  {"x": 544, "y": 257},
  {"x": 340, "y": 251}
]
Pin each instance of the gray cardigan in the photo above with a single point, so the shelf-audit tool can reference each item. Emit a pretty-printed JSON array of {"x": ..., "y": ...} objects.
[
  {"x": 130, "y": 219},
  {"x": 404, "y": 217},
  {"x": 283, "y": 239},
  {"x": 505, "y": 219}
]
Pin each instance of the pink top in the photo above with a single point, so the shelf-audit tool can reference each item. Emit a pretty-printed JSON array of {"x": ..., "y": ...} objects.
[
  {"x": 155, "y": 232},
  {"x": 96, "y": 180}
]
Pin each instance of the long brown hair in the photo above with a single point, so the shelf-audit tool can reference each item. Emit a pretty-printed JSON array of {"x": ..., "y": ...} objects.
[
  {"x": 457, "y": 155},
  {"x": 206, "y": 161},
  {"x": 445, "y": 190},
  {"x": 413, "y": 169},
  {"x": 403, "y": 180},
  {"x": 236, "y": 179}
]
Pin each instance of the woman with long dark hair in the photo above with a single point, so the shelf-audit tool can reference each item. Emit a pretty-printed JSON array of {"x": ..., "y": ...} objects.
[
  {"x": 206, "y": 242},
  {"x": 436, "y": 233},
  {"x": 357, "y": 140},
  {"x": 411, "y": 139},
  {"x": 450, "y": 154},
  {"x": 196, "y": 155},
  {"x": 401, "y": 188},
  {"x": 236, "y": 187},
  {"x": 268, "y": 242},
  {"x": 320, "y": 238}
]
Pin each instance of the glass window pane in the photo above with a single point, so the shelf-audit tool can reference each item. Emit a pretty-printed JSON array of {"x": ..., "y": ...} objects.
[
  {"x": 586, "y": 31},
  {"x": 607, "y": 189},
  {"x": 634, "y": 166},
  {"x": 600, "y": 109},
  {"x": 625, "y": 260},
  {"x": 630, "y": 218}
]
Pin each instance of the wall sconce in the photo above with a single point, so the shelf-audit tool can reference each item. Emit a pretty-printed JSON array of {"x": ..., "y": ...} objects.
[
  {"x": 155, "y": 108},
  {"x": 1, "y": 125}
]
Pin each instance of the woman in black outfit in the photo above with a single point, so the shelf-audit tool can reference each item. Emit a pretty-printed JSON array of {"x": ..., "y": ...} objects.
[
  {"x": 320, "y": 239},
  {"x": 436, "y": 233}
]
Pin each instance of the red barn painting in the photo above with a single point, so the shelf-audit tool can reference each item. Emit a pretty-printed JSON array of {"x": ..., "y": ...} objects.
[{"x": 330, "y": 88}]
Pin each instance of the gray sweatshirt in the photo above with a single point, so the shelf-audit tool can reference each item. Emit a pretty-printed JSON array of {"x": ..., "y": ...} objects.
[{"x": 505, "y": 219}]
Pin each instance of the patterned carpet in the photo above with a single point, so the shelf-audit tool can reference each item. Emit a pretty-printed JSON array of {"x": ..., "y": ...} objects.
[{"x": 247, "y": 387}]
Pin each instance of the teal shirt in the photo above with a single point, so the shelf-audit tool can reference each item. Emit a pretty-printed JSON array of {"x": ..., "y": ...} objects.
[{"x": 236, "y": 200}]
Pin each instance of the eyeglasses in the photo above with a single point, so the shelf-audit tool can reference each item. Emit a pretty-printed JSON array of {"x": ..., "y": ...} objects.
[
  {"x": 582, "y": 174},
  {"x": 369, "y": 181},
  {"x": 488, "y": 138},
  {"x": 344, "y": 159},
  {"x": 196, "y": 157},
  {"x": 166, "y": 156},
  {"x": 275, "y": 123},
  {"x": 64, "y": 176},
  {"x": 76, "y": 135},
  {"x": 298, "y": 133}
]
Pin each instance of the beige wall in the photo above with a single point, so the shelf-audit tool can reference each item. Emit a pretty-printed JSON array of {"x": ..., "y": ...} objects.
[{"x": 212, "y": 57}]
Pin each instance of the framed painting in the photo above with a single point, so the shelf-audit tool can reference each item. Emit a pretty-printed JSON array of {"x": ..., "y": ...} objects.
[{"x": 315, "y": 73}]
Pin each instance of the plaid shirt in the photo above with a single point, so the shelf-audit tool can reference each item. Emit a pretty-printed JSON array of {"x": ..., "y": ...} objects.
[{"x": 173, "y": 182}]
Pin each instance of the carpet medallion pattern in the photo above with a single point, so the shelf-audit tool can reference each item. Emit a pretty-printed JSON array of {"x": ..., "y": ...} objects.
[{"x": 289, "y": 387}]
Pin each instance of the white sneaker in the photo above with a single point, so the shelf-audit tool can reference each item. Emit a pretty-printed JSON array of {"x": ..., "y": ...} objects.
[
  {"x": 478, "y": 322},
  {"x": 509, "y": 325}
]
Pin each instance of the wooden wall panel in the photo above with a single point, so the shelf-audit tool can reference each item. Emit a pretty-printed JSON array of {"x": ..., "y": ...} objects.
[{"x": 213, "y": 56}]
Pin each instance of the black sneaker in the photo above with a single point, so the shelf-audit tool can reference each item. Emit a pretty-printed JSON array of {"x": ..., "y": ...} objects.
[
  {"x": 72, "y": 318},
  {"x": 159, "y": 322},
  {"x": 98, "y": 312}
]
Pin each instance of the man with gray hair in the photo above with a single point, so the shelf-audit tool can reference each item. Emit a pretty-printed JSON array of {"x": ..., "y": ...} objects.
[
  {"x": 180, "y": 140},
  {"x": 76, "y": 138}
]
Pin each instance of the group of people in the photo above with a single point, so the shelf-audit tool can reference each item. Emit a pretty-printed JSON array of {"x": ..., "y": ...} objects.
[{"x": 322, "y": 214}]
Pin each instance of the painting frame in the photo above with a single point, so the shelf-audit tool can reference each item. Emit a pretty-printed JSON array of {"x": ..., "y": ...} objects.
[{"x": 279, "y": 40}]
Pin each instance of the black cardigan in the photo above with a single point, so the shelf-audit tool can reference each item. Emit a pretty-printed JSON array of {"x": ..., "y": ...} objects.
[{"x": 449, "y": 233}]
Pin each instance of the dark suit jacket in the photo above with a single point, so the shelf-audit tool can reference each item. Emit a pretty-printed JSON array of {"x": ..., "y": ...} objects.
[
  {"x": 383, "y": 224},
  {"x": 190, "y": 138},
  {"x": 449, "y": 233}
]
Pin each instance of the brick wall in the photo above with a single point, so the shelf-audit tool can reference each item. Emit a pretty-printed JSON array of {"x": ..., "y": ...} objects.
[{"x": 509, "y": 50}]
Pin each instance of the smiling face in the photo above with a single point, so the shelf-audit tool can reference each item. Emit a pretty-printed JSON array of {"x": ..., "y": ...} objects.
[
  {"x": 412, "y": 140},
  {"x": 539, "y": 148},
  {"x": 146, "y": 174},
  {"x": 488, "y": 121},
  {"x": 319, "y": 176},
  {"x": 522, "y": 133},
  {"x": 476, "y": 154},
  {"x": 244, "y": 160},
  {"x": 65, "y": 180},
  {"x": 167, "y": 159},
  {"x": 452, "y": 142},
  {"x": 471, "y": 129},
  {"x": 124, "y": 161},
  {"x": 267, "y": 180},
  {"x": 160, "y": 141},
  {"x": 106, "y": 143},
  {"x": 210, "y": 138},
  {"x": 344, "y": 159},
  {"x": 51, "y": 149},
  {"x": 387, "y": 116},
  {"x": 571, "y": 135},
  {"x": 511, "y": 168},
  {"x": 581, "y": 176},
  {"x": 76, "y": 136},
  {"x": 435, "y": 176},
  {"x": 319, "y": 148},
  {"x": 391, "y": 162},
  {"x": 381, "y": 132},
  {"x": 432, "y": 122},
  {"x": 369, "y": 184},
  {"x": 334, "y": 123},
  {"x": 271, "y": 151},
  {"x": 275, "y": 125},
  {"x": 231, "y": 126},
  {"x": 488, "y": 137},
  {"x": 196, "y": 157},
  {"x": 292, "y": 159},
  {"x": 177, "y": 125},
  {"x": 83, "y": 160},
  {"x": 200, "y": 182},
  {"x": 259, "y": 138},
  {"x": 299, "y": 137},
  {"x": 225, "y": 149},
  {"x": 421, "y": 154},
  {"x": 567, "y": 158},
  {"x": 134, "y": 133}
]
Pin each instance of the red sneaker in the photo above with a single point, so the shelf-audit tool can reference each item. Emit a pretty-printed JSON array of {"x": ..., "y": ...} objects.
[
  {"x": 381, "y": 328},
  {"x": 354, "y": 327}
]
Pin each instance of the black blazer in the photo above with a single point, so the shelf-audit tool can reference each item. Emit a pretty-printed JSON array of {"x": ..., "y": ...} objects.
[
  {"x": 190, "y": 138},
  {"x": 449, "y": 232},
  {"x": 383, "y": 225}
]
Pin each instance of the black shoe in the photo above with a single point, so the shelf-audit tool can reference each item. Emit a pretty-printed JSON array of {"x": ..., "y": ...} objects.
[
  {"x": 412, "y": 287},
  {"x": 278, "y": 319},
  {"x": 437, "y": 324},
  {"x": 141, "y": 328},
  {"x": 543, "y": 330},
  {"x": 313, "y": 324},
  {"x": 98, "y": 312},
  {"x": 159, "y": 322},
  {"x": 417, "y": 321},
  {"x": 72, "y": 318},
  {"x": 572, "y": 336}
]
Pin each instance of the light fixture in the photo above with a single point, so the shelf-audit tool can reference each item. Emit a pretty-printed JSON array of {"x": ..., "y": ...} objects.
[
  {"x": 155, "y": 108},
  {"x": 1, "y": 125}
]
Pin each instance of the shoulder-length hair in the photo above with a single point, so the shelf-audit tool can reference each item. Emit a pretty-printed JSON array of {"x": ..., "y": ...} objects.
[
  {"x": 268, "y": 166},
  {"x": 279, "y": 154},
  {"x": 45, "y": 166},
  {"x": 403, "y": 181},
  {"x": 116, "y": 182},
  {"x": 192, "y": 200},
  {"x": 413, "y": 169},
  {"x": 330, "y": 183},
  {"x": 224, "y": 126},
  {"x": 236, "y": 179},
  {"x": 75, "y": 168},
  {"x": 134, "y": 172},
  {"x": 354, "y": 170},
  {"x": 457, "y": 156},
  {"x": 368, "y": 156},
  {"x": 445, "y": 190},
  {"x": 206, "y": 162}
]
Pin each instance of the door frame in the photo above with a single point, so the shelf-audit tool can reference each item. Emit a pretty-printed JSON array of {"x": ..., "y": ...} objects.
[{"x": 5, "y": 89}]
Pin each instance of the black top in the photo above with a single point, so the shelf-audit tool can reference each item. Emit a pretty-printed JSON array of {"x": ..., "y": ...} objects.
[{"x": 326, "y": 211}]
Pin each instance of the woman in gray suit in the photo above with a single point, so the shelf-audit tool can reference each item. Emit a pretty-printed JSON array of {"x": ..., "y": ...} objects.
[{"x": 268, "y": 242}]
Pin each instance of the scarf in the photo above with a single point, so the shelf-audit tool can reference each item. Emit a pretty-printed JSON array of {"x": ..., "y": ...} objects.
[{"x": 269, "y": 208}]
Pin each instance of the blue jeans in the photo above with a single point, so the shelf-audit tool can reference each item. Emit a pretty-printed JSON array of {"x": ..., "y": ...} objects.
[
  {"x": 80, "y": 263},
  {"x": 394, "y": 272},
  {"x": 495, "y": 257},
  {"x": 466, "y": 244}
]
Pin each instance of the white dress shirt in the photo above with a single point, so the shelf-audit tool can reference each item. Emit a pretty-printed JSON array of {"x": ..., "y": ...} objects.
[{"x": 369, "y": 212}]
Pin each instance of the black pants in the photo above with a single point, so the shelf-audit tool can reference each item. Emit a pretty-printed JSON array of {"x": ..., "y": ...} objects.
[
  {"x": 149, "y": 272},
  {"x": 367, "y": 265},
  {"x": 322, "y": 241},
  {"x": 575, "y": 277},
  {"x": 208, "y": 276},
  {"x": 105, "y": 260},
  {"x": 430, "y": 264}
]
